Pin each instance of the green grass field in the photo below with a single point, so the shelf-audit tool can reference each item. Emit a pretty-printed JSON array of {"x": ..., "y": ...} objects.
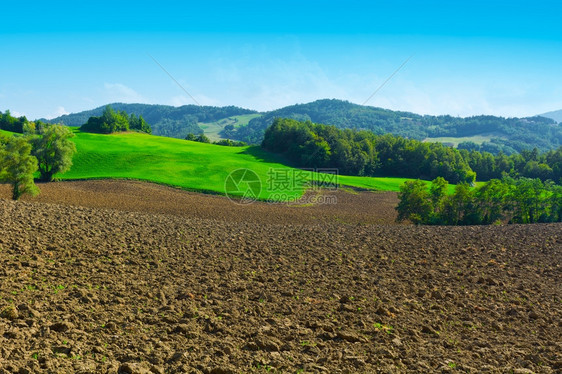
[
  {"x": 212, "y": 129},
  {"x": 199, "y": 167},
  {"x": 373, "y": 183},
  {"x": 478, "y": 139},
  {"x": 196, "y": 166}
]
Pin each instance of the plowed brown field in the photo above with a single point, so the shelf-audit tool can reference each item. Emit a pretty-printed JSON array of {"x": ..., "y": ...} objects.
[{"x": 130, "y": 277}]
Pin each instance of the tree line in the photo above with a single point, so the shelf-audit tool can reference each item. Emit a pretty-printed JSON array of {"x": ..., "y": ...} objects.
[
  {"x": 45, "y": 148},
  {"x": 360, "y": 152},
  {"x": 363, "y": 153},
  {"x": 112, "y": 121},
  {"x": 109, "y": 121},
  {"x": 13, "y": 124},
  {"x": 202, "y": 138},
  {"x": 527, "y": 163},
  {"x": 506, "y": 200}
]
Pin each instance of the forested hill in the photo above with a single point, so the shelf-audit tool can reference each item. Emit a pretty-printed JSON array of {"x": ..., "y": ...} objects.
[
  {"x": 165, "y": 120},
  {"x": 555, "y": 115},
  {"x": 482, "y": 133},
  {"x": 490, "y": 133}
]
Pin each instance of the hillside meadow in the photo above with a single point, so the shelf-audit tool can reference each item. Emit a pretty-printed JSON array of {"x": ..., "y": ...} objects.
[
  {"x": 192, "y": 165},
  {"x": 213, "y": 129},
  {"x": 196, "y": 166}
]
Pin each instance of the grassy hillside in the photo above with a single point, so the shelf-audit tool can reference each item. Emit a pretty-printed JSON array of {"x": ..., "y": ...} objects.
[
  {"x": 191, "y": 165},
  {"x": 213, "y": 129},
  {"x": 195, "y": 166},
  {"x": 477, "y": 139}
]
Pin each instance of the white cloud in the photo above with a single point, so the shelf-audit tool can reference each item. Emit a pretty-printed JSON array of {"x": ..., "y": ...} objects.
[
  {"x": 268, "y": 82},
  {"x": 205, "y": 100},
  {"x": 60, "y": 111},
  {"x": 275, "y": 84},
  {"x": 459, "y": 98},
  {"x": 117, "y": 92},
  {"x": 180, "y": 100}
]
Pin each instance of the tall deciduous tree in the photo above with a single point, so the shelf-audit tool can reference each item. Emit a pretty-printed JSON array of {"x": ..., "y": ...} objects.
[
  {"x": 17, "y": 166},
  {"x": 139, "y": 124},
  {"x": 53, "y": 149},
  {"x": 415, "y": 202}
]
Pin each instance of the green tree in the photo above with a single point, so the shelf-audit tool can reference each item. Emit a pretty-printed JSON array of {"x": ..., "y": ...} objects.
[
  {"x": 555, "y": 203},
  {"x": 315, "y": 153},
  {"x": 203, "y": 139},
  {"x": 415, "y": 202},
  {"x": 17, "y": 166},
  {"x": 53, "y": 149},
  {"x": 110, "y": 121},
  {"x": 459, "y": 208},
  {"x": 438, "y": 193},
  {"x": 139, "y": 124},
  {"x": 534, "y": 169},
  {"x": 13, "y": 124},
  {"x": 528, "y": 200},
  {"x": 230, "y": 143},
  {"x": 491, "y": 200}
]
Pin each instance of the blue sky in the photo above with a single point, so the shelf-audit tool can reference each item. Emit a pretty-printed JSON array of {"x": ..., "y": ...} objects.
[{"x": 468, "y": 58}]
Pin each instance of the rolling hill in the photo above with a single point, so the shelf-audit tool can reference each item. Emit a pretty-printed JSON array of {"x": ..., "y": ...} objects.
[
  {"x": 195, "y": 166},
  {"x": 485, "y": 133},
  {"x": 555, "y": 115},
  {"x": 166, "y": 120}
]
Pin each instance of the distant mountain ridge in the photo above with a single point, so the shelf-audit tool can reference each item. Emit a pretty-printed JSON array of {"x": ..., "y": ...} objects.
[
  {"x": 508, "y": 135},
  {"x": 485, "y": 133},
  {"x": 555, "y": 115},
  {"x": 165, "y": 120}
]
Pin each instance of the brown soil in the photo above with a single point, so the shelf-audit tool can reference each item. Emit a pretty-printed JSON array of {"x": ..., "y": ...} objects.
[
  {"x": 349, "y": 207},
  {"x": 197, "y": 289}
]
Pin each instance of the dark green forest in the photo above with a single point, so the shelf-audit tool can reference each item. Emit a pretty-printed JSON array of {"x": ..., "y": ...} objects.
[
  {"x": 360, "y": 152},
  {"x": 13, "y": 124},
  {"x": 165, "y": 120},
  {"x": 509, "y": 135},
  {"x": 363, "y": 153},
  {"x": 529, "y": 164}
]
